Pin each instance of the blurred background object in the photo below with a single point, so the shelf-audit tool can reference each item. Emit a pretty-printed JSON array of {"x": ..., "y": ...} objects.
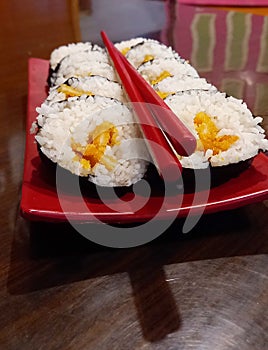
[
  {"x": 147, "y": 17},
  {"x": 228, "y": 48}
]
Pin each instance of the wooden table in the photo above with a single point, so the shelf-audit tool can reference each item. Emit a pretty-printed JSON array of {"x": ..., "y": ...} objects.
[{"x": 204, "y": 290}]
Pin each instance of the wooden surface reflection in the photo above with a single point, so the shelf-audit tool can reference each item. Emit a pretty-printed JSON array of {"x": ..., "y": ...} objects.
[{"x": 204, "y": 290}]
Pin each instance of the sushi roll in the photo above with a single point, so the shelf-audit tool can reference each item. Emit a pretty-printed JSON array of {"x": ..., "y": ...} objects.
[
  {"x": 126, "y": 45},
  {"x": 161, "y": 68},
  {"x": 226, "y": 131},
  {"x": 59, "y": 53},
  {"x": 81, "y": 64},
  {"x": 85, "y": 69},
  {"x": 92, "y": 85},
  {"x": 172, "y": 85},
  {"x": 86, "y": 126},
  {"x": 148, "y": 50},
  {"x": 94, "y": 137}
]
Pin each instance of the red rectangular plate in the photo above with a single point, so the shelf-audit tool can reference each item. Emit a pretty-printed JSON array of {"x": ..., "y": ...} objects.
[{"x": 40, "y": 199}]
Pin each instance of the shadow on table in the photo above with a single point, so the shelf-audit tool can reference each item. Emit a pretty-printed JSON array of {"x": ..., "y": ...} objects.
[{"x": 48, "y": 255}]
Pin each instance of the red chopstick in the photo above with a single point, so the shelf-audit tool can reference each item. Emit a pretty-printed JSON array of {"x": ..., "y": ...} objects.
[
  {"x": 180, "y": 137},
  {"x": 165, "y": 160},
  {"x": 182, "y": 140}
]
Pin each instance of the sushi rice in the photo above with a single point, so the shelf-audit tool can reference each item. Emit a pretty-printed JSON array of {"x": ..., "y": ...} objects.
[
  {"x": 63, "y": 51},
  {"x": 73, "y": 128},
  {"x": 225, "y": 129},
  {"x": 86, "y": 68},
  {"x": 92, "y": 85},
  {"x": 86, "y": 126},
  {"x": 172, "y": 85}
]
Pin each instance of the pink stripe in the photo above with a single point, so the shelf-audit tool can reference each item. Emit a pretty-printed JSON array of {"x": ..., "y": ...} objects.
[{"x": 226, "y": 2}]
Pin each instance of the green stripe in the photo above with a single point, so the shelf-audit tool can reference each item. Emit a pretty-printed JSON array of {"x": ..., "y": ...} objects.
[
  {"x": 263, "y": 57},
  {"x": 233, "y": 87},
  {"x": 261, "y": 102},
  {"x": 238, "y": 28},
  {"x": 203, "y": 33}
]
